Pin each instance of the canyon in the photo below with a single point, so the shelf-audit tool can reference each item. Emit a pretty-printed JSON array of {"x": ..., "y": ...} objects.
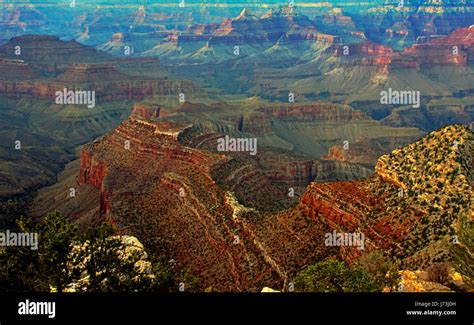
[
  {"x": 303, "y": 82},
  {"x": 160, "y": 189}
]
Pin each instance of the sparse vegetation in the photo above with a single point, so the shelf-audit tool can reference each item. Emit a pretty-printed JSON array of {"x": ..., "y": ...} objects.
[
  {"x": 67, "y": 262},
  {"x": 334, "y": 276}
]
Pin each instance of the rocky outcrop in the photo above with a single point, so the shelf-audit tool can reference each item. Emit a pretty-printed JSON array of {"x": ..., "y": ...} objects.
[
  {"x": 146, "y": 111},
  {"x": 79, "y": 73},
  {"x": 461, "y": 36},
  {"x": 336, "y": 17},
  {"x": 419, "y": 281},
  {"x": 406, "y": 208},
  {"x": 150, "y": 182},
  {"x": 361, "y": 152},
  {"x": 49, "y": 51},
  {"x": 364, "y": 48},
  {"x": 105, "y": 89},
  {"x": 428, "y": 54},
  {"x": 181, "y": 197},
  {"x": 16, "y": 70},
  {"x": 93, "y": 172},
  {"x": 249, "y": 29},
  {"x": 322, "y": 112},
  {"x": 159, "y": 189},
  {"x": 371, "y": 54},
  {"x": 304, "y": 172},
  {"x": 115, "y": 45},
  {"x": 456, "y": 48}
]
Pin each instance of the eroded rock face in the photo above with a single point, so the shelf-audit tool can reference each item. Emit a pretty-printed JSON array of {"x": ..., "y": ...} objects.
[
  {"x": 116, "y": 45},
  {"x": 166, "y": 187},
  {"x": 105, "y": 90},
  {"x": 16, "y": 70},
  {"x": 93, "y": 172},
  {"x": 249, "y": 29},
  {"x": 146, "y": 112},
  {"x": 56, "y": 64},
  {"x": 148, "y": 181},
  {"x": 404, "y": 209},
  {"x": 456, "y": 48},
  {"x": 165, "y": 192},
  {"x": 437, "y": 54},
  {"x": 364, "y": 48},
  {"x": 144, "y": 178},
  {"x": 461, "y": 36},
  {"x": 320, "y": 112},
  {"x": 361, "y": 152},
  {"x": 453, "y": 49},
  {"x": 336, "y": 17},
  {"x": 49, "y": 51}
]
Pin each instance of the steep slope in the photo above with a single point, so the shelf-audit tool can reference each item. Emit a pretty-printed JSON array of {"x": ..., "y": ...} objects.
[
  {"x": 33, "y": 122},
  {"x": 16, "y": 70},
  {"x": 418, "y": 200},
  {"x": 308, "y": 129},
  {"x": 257, "y": 37},
  {"x": 108, "y": 84},
  {"x": 49, "y": 51},
  {"x": 163, "y": 192}
]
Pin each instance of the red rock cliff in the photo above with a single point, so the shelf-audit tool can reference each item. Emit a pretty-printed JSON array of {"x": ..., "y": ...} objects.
[{"x": 93, "y": 172}]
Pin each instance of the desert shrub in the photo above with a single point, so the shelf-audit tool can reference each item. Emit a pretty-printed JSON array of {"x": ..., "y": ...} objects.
[
  {"x": 380, "y": 267},
  {"x": 66, "y": 261},
  {"x": 334, "y": 276}
]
